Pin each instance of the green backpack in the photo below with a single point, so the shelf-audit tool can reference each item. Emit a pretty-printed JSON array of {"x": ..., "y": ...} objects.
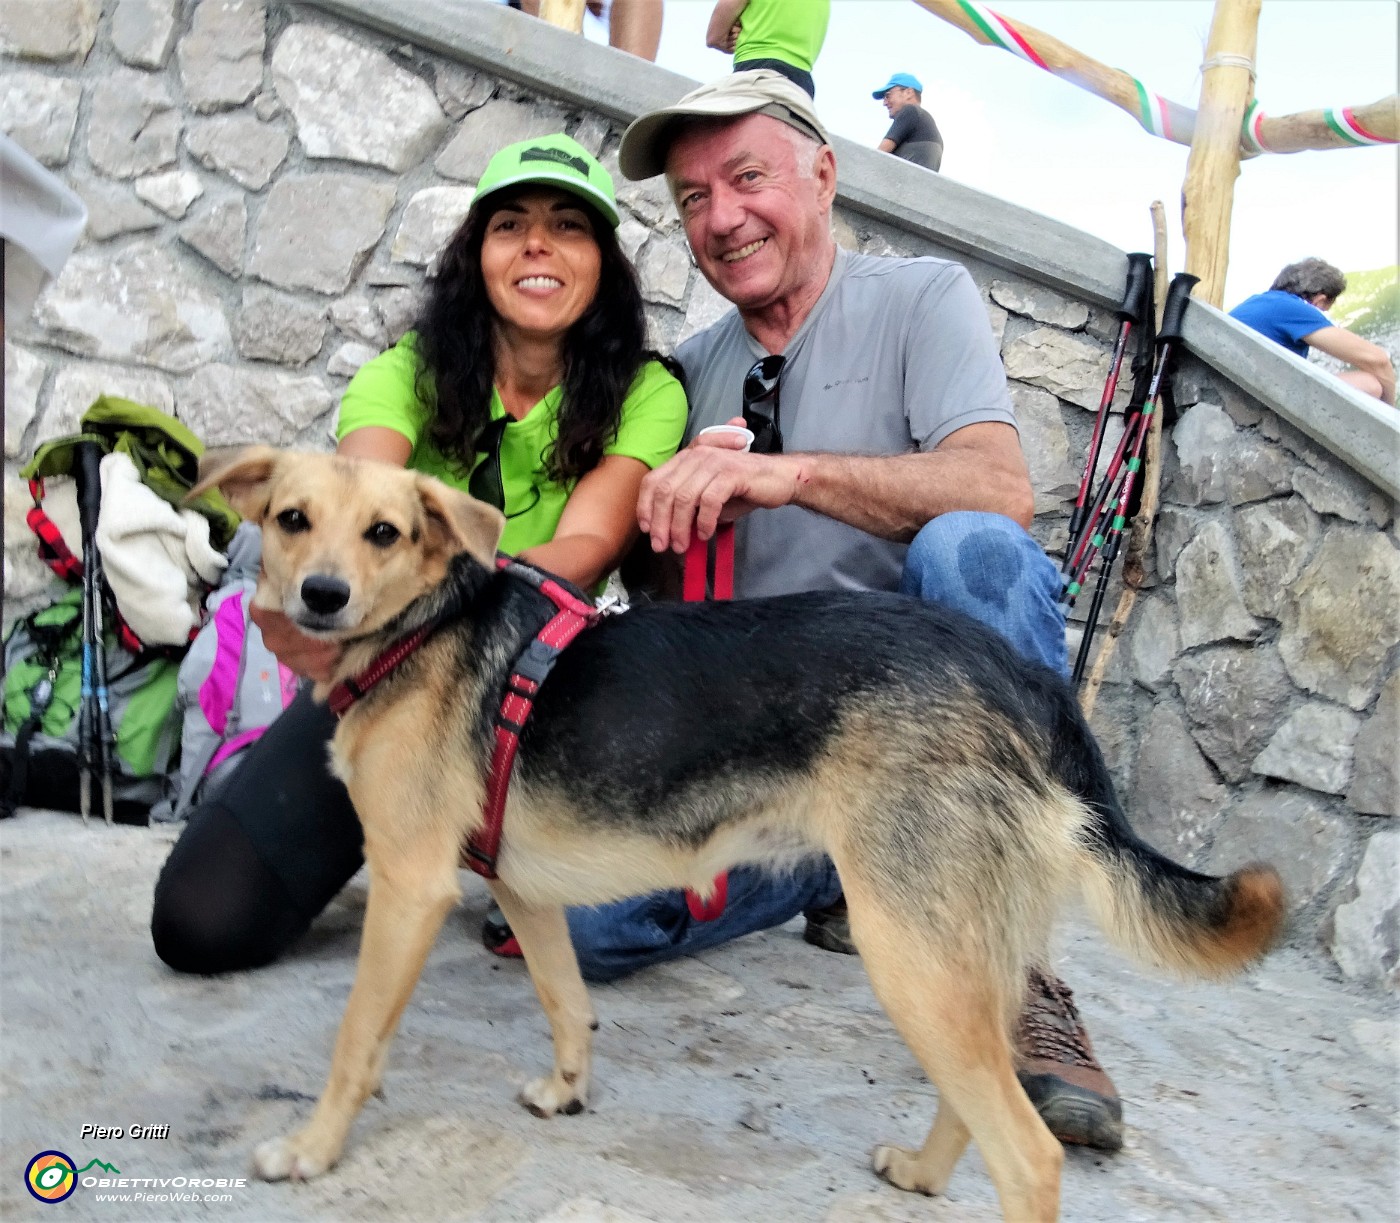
[
  {"x": 39, "y": 738},
  {"x": 43, "y": 652},
  {"x": 166, "y": 455}
]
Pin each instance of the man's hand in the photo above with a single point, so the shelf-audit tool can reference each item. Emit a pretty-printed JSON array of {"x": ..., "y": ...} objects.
[
  {"x": 306, "y": 656},
  {"x": 712, "y": 482}
]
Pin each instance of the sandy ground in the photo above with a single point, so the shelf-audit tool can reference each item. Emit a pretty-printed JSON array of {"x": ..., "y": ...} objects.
[{"x": 746, "y": 1084}]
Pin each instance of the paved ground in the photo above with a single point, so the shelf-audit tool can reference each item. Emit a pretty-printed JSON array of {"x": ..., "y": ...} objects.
[{"x": 748, "y": 1084}]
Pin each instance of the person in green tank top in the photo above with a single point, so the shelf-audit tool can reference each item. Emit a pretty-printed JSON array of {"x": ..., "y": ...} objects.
[{"x": 785, "y": 35}]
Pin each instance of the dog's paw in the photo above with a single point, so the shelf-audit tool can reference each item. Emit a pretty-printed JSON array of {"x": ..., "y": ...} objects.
[
  {"x": 290, "y": 1158},
  {"x": 901, "y": 1169},
  {"x": 552, "y": 1094}
]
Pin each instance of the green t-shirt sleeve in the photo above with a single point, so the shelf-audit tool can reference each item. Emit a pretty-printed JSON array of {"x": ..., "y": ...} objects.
[
  {"x": 382, "y": 394},
  {"x": 653, "y": 417}
]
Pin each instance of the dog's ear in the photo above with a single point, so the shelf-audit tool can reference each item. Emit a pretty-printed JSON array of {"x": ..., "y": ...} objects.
[
  {"x": 459, "y": 522},
  {"x": 246, "y": 481}
]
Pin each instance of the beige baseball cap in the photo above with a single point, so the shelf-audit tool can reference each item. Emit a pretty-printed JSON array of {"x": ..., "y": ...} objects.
[{"x": 758, "y": 92}]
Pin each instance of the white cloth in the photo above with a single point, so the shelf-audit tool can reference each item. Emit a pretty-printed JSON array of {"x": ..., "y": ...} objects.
[
  {"x": 157, "y": 559},
  {"x": 41, "y": 220}
]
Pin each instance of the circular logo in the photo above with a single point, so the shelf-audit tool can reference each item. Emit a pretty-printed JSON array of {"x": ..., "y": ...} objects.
[{"x": 50, "y": 1176}]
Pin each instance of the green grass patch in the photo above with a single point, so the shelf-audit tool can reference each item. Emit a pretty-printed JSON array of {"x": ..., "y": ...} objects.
[{"x": 1371, "y": 304}]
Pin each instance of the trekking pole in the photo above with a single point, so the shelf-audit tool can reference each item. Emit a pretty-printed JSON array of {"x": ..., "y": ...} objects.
[
  {"x": 1080, "y": 552},
  {"x": 87, "y": 696},
  {"x": 1137, "y": 297},
  {"x": 1168, "y": 339},
  {"x": 95, "y": 713}
]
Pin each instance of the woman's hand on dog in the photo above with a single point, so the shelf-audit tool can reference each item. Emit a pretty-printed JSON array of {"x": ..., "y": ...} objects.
[
  {"x": 713, "y": 480},
  {"x": 310, "y": 657}
]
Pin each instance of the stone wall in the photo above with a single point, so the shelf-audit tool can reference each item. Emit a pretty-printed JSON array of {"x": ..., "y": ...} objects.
[{"x": 268, "y": 184}]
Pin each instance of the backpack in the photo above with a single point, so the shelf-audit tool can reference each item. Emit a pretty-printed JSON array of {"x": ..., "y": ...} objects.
[
  {"x": 162, "y": 458},
  {"x": 39, "y": 735},
  {"x": 39, "y": 720},
  {"x": 164, "y": 452},
  {"x": 231, "y": 686}
]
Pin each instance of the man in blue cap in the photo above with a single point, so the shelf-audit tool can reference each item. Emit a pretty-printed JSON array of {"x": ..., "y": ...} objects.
[{"x": 913, "y": 135}]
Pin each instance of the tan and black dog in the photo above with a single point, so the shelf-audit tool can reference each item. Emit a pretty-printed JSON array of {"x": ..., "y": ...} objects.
[{"x": 954, "y": 784}]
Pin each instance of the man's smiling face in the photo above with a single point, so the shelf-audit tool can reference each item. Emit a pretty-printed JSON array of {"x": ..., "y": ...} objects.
[
  {"x": 897, "y": 98},
  {"x": 759, "y": 225}
]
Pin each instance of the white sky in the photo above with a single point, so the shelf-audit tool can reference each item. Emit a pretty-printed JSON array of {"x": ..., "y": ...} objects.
[{"x": 1016, "y": 131}]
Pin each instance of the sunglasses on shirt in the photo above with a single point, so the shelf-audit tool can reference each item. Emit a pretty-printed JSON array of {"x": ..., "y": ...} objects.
[
  {"x": 486, "y": 483},
  {"x": 760, "y": 404}
]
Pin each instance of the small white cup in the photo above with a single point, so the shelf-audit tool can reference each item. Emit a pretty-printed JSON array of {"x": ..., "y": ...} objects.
[{"x": 732, "y": 431}]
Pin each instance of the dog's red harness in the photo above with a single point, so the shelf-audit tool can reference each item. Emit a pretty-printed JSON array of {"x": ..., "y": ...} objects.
[{"x": 573, "y": 614}]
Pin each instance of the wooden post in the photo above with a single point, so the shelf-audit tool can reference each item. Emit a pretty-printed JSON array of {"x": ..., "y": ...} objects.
[
  {"x": 1227, "y": 86},
  {"x": 568, "y": 14}
]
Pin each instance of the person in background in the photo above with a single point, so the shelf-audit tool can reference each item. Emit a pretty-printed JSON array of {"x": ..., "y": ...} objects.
[
  {"x": 913, "y": 136},
  {"x": 1293, "y": 313},
  {"x": 783, "y": 35},
  {"x": 634, "y": 26}
]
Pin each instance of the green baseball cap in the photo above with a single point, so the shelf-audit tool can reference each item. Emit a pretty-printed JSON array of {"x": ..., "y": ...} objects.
[{"x": 551, "y": 161}]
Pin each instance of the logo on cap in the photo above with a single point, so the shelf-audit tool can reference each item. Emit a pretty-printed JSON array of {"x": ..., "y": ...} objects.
[{"x": 560, "y": 156}]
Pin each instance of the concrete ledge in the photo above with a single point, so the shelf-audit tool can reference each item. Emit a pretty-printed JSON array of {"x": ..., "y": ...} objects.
[
  {"x": 544, "y": 58},
  {"x": 1363, "y": 433},
  {"x": 522, "y": 49}
]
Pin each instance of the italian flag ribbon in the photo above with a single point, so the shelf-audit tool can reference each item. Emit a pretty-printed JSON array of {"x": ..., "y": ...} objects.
[
  {"x": 1341, "y": 120},
  {"x": 1000, "y": 32},
  {"x": 1154, "y": 111}
]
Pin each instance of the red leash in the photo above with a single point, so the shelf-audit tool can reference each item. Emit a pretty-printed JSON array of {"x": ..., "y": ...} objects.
[{"x": 694, "y": 584}]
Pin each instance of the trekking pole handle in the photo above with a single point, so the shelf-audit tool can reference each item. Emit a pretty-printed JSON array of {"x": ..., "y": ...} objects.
[
  {"x": 87, "y": 474},
  {"x": 1178, "y": 294},
  {"x": 1138, "y": 291}
]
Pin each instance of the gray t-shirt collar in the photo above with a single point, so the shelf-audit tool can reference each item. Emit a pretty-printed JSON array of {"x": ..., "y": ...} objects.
[{"x": 838, "y": 271}]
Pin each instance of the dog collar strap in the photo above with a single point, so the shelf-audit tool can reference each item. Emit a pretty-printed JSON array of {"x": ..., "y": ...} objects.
[
  {"x": 348, "y": 691},
  {"x": 527, "y": 674}
]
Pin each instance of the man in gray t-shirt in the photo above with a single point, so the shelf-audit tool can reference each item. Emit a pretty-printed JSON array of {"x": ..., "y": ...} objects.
[
  {"x": 913, "y": 136},
  {"x": 890, "y": 461},
  {"x": 894, "y": 358}
]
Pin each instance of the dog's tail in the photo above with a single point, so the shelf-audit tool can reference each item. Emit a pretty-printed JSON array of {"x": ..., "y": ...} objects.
[{"x": 1154, "y": 908}]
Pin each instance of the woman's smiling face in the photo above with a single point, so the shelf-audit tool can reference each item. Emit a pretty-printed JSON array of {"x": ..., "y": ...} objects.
[{"x": 540, "y": 262}]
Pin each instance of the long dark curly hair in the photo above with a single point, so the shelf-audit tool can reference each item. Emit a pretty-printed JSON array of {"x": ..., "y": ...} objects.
[{"x": 603, "y": 351}]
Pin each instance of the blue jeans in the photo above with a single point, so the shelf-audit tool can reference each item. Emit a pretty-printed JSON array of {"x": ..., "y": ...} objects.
[{"x": 982, "y": 564}]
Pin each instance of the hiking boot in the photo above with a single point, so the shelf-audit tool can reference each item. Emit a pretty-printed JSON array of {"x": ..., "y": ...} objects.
[
  {"x": 1069, "y": 1089},
  {"x": 830, "y": 929},
  {"x": 497, "y": 936}
]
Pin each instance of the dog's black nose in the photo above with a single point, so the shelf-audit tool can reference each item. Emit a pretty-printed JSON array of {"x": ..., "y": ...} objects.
[{"x": 324, "y": 595}]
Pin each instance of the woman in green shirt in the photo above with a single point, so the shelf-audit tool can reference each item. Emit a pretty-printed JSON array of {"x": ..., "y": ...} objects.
[{"x": 525, "y": 382}]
